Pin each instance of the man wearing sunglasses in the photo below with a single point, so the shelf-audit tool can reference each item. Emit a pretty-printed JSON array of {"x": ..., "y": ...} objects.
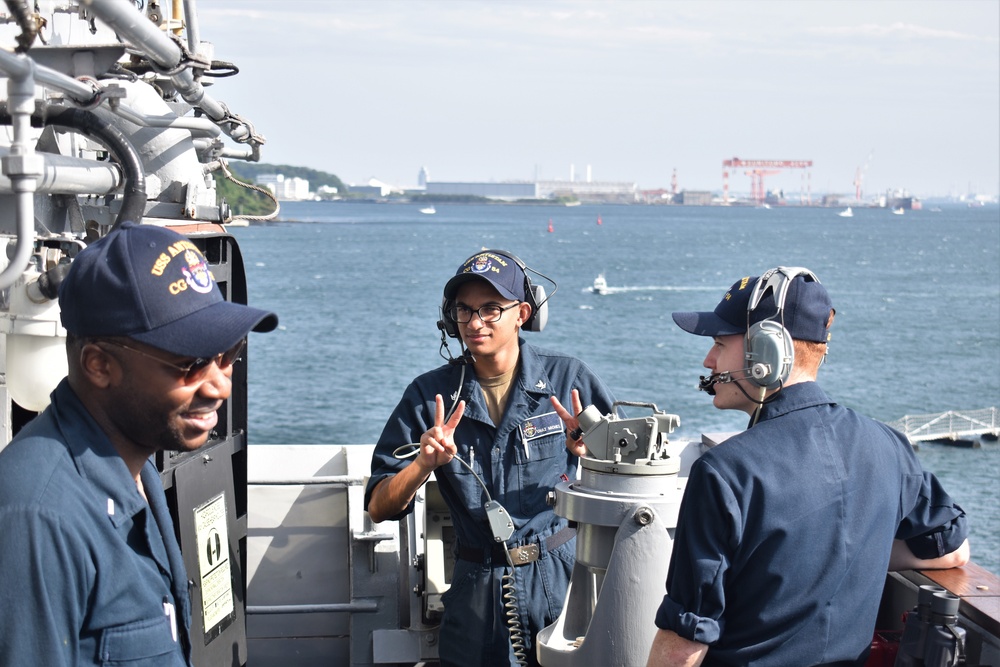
[
  {"x": 503, "y": 440},
  {"x": 96, "y": 576}
]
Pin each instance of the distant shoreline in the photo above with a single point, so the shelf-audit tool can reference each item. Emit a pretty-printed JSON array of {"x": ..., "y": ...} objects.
[{"x": 548, "y": 203}]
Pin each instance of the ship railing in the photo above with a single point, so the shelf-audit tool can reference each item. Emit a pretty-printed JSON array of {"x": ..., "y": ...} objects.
[
  {"x": 355, "y": 606},
  {"x": 950, "y": 424}
]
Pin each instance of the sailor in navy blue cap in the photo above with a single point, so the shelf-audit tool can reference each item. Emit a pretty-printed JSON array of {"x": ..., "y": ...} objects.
[
  {"x": 507, "y": 439},
  {"x": 787, "y": 529},
  {"x": 754, "y": 328},
  {"x": 94, "y": 575},
  {"x": 141, "y": 306}
]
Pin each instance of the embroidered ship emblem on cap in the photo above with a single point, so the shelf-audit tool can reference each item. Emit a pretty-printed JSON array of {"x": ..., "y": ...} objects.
[
  {"x": 196, "y": 272},
  {"x": 481, "y": 264}
]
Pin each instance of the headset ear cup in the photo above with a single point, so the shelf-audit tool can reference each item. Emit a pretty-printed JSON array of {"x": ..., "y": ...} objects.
[
  {"x": 534, "y": 296},
  {"x": 770, "y": 354},
  {"x": 539, "y": 314},
  {"x": 445, "y": 323}
]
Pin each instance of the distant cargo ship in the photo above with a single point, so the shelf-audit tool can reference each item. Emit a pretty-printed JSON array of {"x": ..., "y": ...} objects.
[{"x": 905, "y": 203}]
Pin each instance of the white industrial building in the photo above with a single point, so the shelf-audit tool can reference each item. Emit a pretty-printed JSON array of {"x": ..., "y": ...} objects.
[
  {"x": 589, "y": 190},
  {"x": 287, "y": 189},
  {"x": 373, "y": 188},
  {"x": 506, "y": 190},
  {"x": 513, "y": 190}
]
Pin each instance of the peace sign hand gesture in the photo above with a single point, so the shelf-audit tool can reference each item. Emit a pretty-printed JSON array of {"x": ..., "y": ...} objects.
[
  {"x": 573, "y": 444},
  {"x": 437, "y": 444}
]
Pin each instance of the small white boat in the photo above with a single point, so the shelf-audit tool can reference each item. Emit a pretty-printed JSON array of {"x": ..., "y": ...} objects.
[
  {"x": 897, "y": 211},
  {"x": 846, "y": 213},
  {"x": 600, "y": 285},
  {"x": 429, "y": 210}
]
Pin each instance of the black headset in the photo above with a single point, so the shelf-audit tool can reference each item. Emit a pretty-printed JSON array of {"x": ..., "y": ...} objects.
[
  {"x": 534, "y": 296},
  {"x": 768, "y": 347}
]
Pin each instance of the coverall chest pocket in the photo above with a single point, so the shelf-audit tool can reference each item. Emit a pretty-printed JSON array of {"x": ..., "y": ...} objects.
[
  {"x": 149, "y": 643},
  {"x": 541, "y": 460},
  {"x": 463, "y": 471}
]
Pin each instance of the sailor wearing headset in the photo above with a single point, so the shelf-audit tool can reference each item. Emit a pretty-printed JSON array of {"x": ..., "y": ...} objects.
[
  {"x": 506, "y": 424},
  {"x": 786, "y": 530}
]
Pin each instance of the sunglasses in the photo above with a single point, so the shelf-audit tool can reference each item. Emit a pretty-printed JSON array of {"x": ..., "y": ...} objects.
[{"x": 194, "y": 370}]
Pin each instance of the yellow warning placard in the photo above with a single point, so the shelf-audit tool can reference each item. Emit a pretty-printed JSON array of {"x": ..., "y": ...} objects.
[{"x": 213, "y": 558}]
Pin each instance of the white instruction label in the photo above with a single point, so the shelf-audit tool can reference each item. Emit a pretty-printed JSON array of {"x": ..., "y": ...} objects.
[{"x": 213, "y": 559}]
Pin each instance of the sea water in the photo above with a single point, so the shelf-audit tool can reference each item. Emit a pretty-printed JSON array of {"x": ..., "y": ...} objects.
[{"x": 357, "y": 288}]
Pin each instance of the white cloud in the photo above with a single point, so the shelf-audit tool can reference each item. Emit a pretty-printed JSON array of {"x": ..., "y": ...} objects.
[
  {"x": 899, "y": 30},
  {"x": 481, "y": 90}
]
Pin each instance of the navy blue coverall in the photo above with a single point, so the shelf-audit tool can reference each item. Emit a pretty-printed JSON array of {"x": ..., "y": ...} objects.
[
  {"x": 91, "y": 573},
  {"x": 785, "y": 532},
  {"x": 519, "y": 460}
]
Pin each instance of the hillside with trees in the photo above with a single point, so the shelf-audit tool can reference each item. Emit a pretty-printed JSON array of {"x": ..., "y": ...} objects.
[
  {"x": 243, "y": 201},
  {"x": 248, "y": 171}
]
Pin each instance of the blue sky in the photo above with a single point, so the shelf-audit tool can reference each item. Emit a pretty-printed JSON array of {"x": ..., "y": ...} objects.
[{"x": 633, "y": 88}]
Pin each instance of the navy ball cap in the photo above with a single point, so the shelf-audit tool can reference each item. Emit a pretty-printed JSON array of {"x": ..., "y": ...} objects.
[
  {"x": 806, "y": 313},
  {"x": 496, "y": 267},
  {"x": 151, "y": 284}
]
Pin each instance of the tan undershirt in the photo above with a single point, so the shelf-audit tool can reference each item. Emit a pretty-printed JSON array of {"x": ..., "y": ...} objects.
[{"x": 496, "y": 391}]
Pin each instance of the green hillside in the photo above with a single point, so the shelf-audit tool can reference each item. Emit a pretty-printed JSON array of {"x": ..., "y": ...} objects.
[
  {"x": 248, "y": 171},
  {"x": 243, "y": 201}
]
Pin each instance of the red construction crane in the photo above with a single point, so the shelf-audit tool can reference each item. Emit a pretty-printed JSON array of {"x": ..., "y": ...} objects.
[
  {"x": 756, "y": 175},
  {"x": 758, "y": 192}
]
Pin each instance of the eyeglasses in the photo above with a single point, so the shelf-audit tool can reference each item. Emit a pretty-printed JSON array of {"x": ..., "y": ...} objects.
[
  {"x": 489, "y": 313},
  {"x": 194, "y": 370}
]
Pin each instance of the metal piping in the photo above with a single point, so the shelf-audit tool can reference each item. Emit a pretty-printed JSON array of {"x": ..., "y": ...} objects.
[
  {"x": 358, "y": 606},
  {"x": 23, "y": 168},
  {"x": 67, "y": 175},
  {"x": 86, "y": 94},
  {"x": 237, "y": 153},
  {"x": 135, "y": 28},
  {"x": 332, "y": 480},
  {"x": 19, "y": 65},
  {"x": 191, "y": 123},
  {"x": 128, "y": 22},
  {"x": 134, "y": 190},
  {"x": 134, "y": 199},
  {"x": 191, "y": 25}
]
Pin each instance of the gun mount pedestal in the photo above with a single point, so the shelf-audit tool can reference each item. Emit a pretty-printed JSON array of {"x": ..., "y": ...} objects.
[{"x": 625, "y": 506}]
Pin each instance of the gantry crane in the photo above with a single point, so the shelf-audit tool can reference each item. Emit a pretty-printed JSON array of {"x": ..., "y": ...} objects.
[
  {"x": 758, "y": 193},
  {"x": 756, "y": 175}
]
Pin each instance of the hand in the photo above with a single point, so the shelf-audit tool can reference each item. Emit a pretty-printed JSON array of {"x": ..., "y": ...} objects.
[
  {"x": 437, "y": 444},
  {"x": 574, "y": 445}
]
